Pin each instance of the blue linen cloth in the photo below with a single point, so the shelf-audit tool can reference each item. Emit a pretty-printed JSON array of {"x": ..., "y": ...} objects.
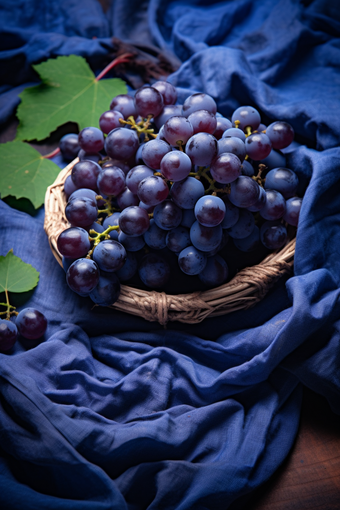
[{"x": 113, "y": 412}]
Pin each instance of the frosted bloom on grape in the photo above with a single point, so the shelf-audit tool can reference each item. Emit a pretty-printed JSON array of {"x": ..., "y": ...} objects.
[
  {"x": 91, "y": 139},
  {"x": 148, "y": 101},
  {"x": 121, "y": 143},
  {"x": 124, "y": 104},
  {"x": 281, "y": 134},
  {"x": 199, "y": 101},
  {"x": 177, "y": 130},
  {"x": 248, "y": 116},
  {"x": 258, "y": 146},
  {"x": 167, "y": 90},
  {"x": 201, "y": 149}
]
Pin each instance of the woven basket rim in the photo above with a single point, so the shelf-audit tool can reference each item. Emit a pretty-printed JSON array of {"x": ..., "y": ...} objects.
[{"x": 244, "y": 290}]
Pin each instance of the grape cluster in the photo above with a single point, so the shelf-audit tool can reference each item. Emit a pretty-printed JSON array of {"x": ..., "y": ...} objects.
[
  {"x": 29, "y": 323},
  {"x": 160, "y": 181}
]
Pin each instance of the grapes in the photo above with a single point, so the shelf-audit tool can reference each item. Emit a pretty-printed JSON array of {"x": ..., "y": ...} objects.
[
  {"x": 177, "y": 130},
  {"x": 293, "y": 206},
  {"x": 222, "y": 124},
  {"x": 136, "y": 175},
  {"x": 148, "y": 101},
  {"x": 168, "y": 92},
  {"x": 247, "y": 116},
  {"x": 81, "y": 212},
  {"x": 154, "y": 271},
  {"x": 234, "y": 145},
  {"x": 175, "y": 166},
  {"x": 191, "y": 261},
  {"x": 8, "y": 335},
  {"x": 91, "y": 139},
  {"x": 205, "y": 238},
  {"x": 82, "y": 276},
  {"x": 124, "y": 104},
  {"x": 134, "y": 221},
  {"x": 258, "y": 146},
  {"x": 273, "y": 235},
  {"x": 177, "y": 239},
  {"x": 199, "y": 101},
  {"x": 249, "y": 243},
  {"x": 281, "y": 134},
  {"x": 168, "y": 111},
  {"x": 152, "y": 190},
  {"x": 209, "y": 211},
  {"x": 238, "y": 133},
  {"x": 244, "y": 225},
  {"x": 274, "y": 207},
  {"x": 155, "y": 237},
  {"x": 69, "y": 146},
  {"x": 85, "y": 173},
  {"x": 186, "y": 193},
  {"x": 244, "y": 192},
  {"x": 107, "y": 291},
  {"x": 110, "y": 120},
  {"x": 73, "y": 243},
  {"x": 121, "y": 143},
  {"x": 31, "y": 323},
  {"x": 111, "y": 181},
  {"x": 283, "y": 180},
  {"x": 203, "y": 121},
  {"x": 215, "y": 272},
  {"x": 167, "y": 215},
  {"x": 225, "y": 168},
  {"x": 109, "y": 255},
  {"x": 154, "y": 151},
  {"x": 201, "y": 149}
]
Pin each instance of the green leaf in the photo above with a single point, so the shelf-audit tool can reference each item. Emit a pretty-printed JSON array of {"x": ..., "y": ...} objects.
[
  {"x": 25, "y": 173},
  {"x": 69, "y": 92},
  {"x": 16, "y": 275}
]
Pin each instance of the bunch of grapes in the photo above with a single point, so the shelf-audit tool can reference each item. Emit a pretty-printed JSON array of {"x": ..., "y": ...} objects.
[
  {"x": 29, "y": 323},
  {"x": 161, "y": 180}
]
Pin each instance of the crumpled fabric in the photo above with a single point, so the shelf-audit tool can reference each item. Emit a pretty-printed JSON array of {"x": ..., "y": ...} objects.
[{"x": 110, "y": 411}]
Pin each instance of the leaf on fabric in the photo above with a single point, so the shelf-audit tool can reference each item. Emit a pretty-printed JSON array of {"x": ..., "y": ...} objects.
[
  {"x": 16, "y": 275},
  {"x": 68, "y": 93},
  {"x": 25, "y": 173}
]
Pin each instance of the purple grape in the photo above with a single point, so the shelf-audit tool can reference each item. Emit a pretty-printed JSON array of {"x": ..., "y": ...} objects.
[
  {"x": 188, "y": 217},
  {"x": 244, "y": 192},
  {"x": 82, "y": 193},
  {"x": 235, "y": 132},
  {"x": 73, "y": 243},
  {"x": 225, "y": 168},
  {"x": 232, "y": 145},
  {"x": 283, "y": 180},
  {"x": 8, "y": 335},
  {"x": 82, "y": 276},
  {"x": 273, "y": 235},
  {"x": 205, "y": 238},
  {"x": 275, "y": 206},
  {"x": 167, "y": 112},
  {"x": 109, "y": 255},
  {"x": 87, "y": 156},
  {"x": 274, "y": 160},
  {"x": 31, "y": 323},
  {"x": 244, "y": 225},
  {"x": 107, "y": 291},
  {"x": 293, "y": 207},
  {"x": 124, "y": 104},
  {"x": 281, "y": 134},
  {"x": 154, "y": 271},
  {"x": 69, "y": 146},
  {"x": 177, "y": 130},
  {"x": 148, "y": 208},
  {"x": 85, "y": 173},
  {"x": 258, "y": 146},
  {"x": 249, "y": 243},
  {"x": 167, "y": 215},
  {"x": 192, "y": 261},
  {"x": 248, "y": 116},
  {"x": 96, "y": 227},
  {"x": 168, "y": 92},
  {"x": 154, "y": 151},
  {"x": 131, "y": 243},
  {"x": 222, "y": 124},
  {"x": 110, "y": 120},
  {"x": 186, "y": 193},
  {"x": 175, "y": 166},
  {"x": 111, "y": 181},
  {"x": 232, "y": 213},
  {"x": 69, "y": 186},
  {"x": 148, "y": 101},
  {"x": 215, "y": 272},
  {"x": 210, "y": 211},
  {"x": 134, "y": 221},
  {"x": 199, "y": 101},
  {"x": 177, "y": 239},
  {"x": 155, "y": 237},
  {"x": 126, "y": 199},
  {"x": 247, "y": 169},
  {"x": 121, "y": 143},
  {"x": 201, "y": 149},
  {"x": 129, "y": 269},
  {"x": 152, "y": 190},
  {"x": 203, "y": 121},
  {"x": 81, "y": 212},
  {"x": 260, "y": 202},
  {"x": 91, "y": 139},
  {"x": 136, "y": 175},
  {"x": 115, "y": 162}
]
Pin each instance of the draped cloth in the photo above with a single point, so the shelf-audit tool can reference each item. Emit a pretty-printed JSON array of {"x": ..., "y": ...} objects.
[{"x": 110, "y": 411}]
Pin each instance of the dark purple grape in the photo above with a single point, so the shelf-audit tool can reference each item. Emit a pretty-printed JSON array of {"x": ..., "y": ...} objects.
[
  {"x": 238, "y": 133},
  {"x": 31, "y": 323},
  {"x": 121, "y": 143},
  {"x": 110, "y": 120},
  {"x": 96, "y": 227},
  {"x": 232, "y": 213},
  {"x": 222, "y": 124},
  {"x": 153, "y": 153},
  {"x": 175, "y": 166},
  {"x": 73, "y": 243},
  {"x": 148, "y": 101},
  {"x": 127, "y": 199},
  {"x": 167, "y": 215},
  {"x": 274, "y": 207},
  {"x": 232, "y": 145},
  {"x": 82, "y": 276},
  {"x": 244, "y": 225},
  {"x": 168, "y": 92},
  {"x": 136, "y": 175},
  {"x": 134, "y": 221},
  {"x": 167, "y": 112},
  {"x": 85, "y": 173},
  {"x": 248, "y": 116},
  {"x": 152, "y": 190},
  {"x": 115, "y": 162},
  {"x": 69, "y": 146},
  {"x": 107, "y": 291},
  {"x": 188, "y": 218},
  {"x": 8, "y": 335},
  {"x": 109, "y": 255},
  {"x": 273, "y": 235},
  {"x": 209, "y": 211},
  {"x": 225, "y": 168},
  {"x": 247, "y": 169},
  {"x": 192, "y": 261},
  {"x": 81, "y": 212},
  {"x": 274, "y": 160},
  {"x": 283, "y": 180},
  {"x": 186, "y": 193},
  {"x": 177, "y": 239},
  {"x": 155, "y": 237},
  {"x": 249, "y": 243},
  {"x": 260, "y": 202},
  {"x": 281, "y": 134},
  {"x": 199, "y": 101},
  {"x": 129, "y": 269},
  {"x": 131, "y": 243},
  {"x": 91, "y": 139},
  {"x": 154, "y": 271},
  {"x": 124, "y": 104},
  {"x": 111, "y": 181},
  {"x": 177, "y": 130},
  {"x": 244, "y": 192},
  {"x": 202, "y": 149},
  {"x": 82, "y": 193},
  {"x": 215, "y": 272},
  {"x": 293, "y": 206},
  {"x": 69, "y": 186},
  {"x": 258, "y": 146},
  {"x": 148, "y": 208},
  {"x": 203, "y": 121},
  {"x": 82, "y": 155},
  {"x": 205, "y": 238}
]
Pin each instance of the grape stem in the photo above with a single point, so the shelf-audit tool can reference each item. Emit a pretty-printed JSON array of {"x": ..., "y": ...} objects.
[
  {"x": 10, "y": 309},
  {"x": 96, "y": 237},
  {"x": 51, "y": 154},
  {"x": 258, "y": 178},
  {"x": 118, "y": 60},
  {"x": 140, "y": 127}
]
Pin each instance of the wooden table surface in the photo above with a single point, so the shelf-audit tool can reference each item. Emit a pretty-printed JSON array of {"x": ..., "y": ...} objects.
[{"x": 309, "y": 478}]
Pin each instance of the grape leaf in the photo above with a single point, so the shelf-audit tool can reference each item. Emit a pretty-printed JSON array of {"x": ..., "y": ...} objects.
[
  {"x": 16, "y": 275},
  {"x": 25, "y": 173},
  {"x": 69, "y": 92}
]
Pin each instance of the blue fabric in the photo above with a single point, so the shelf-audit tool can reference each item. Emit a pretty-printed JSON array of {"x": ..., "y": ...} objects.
[{"x": 113, "y": 412}]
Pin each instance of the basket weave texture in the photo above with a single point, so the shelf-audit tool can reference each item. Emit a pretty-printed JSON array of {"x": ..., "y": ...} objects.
[{"x": 247, "y": 288}]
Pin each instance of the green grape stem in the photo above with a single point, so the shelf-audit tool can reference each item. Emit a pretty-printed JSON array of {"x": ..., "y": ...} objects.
[
  {"x": 140, "y": 127},
  {"x": 10, "y": 309},
  {"x": 97, "y": 237}
]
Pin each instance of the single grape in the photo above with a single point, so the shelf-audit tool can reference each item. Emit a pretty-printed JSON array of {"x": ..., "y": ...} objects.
[
  {"x": 67, "y": 263},
  {"x": 155, "y": 237},
  {"x": 232, "y": 213},
  {"x": 69, "y": 146},
  {"x": 225, "y": 168},
  {"x": 244, "y": 225},
  {"x": 124, "y": 104},
  {"x": 177, "y": 239},
  {"x": 224, "y": 241},
  {"x": 167, "y": 215},
  {"x": 238, "y": 133},
  {"x": 248, "y": 116},
  {"x": 201, "y": 149},
  {"x": 203, "y": 121},
  {"x": 82, "y": 276},
  {"x": 177, "y": 130},
  {"x": 233, "y": 145},
  {"x": 168, "y": 92},
  {"x": 222, "y": 124},
  {"x": 154, "y": 271},
  {"x": 109, "y": 255},
  {"x": 274, "y": 207},
  {"x": 127, "y": 199},
  {"x": 134, "y": 221},
  {"x": 91, "y": 139},
  {"x": 136, "y": 175},
  {"x": 69, "y": 186},
  {"x": 167, "y": 112},
  {"x": 8, "y": 335},
  {"x": 154, "y": 151},
  {"x": 73, "y": 243},
  {"x": 199, "y": 101},
  {"x": 293, "y": 207},
  {"x": 110, "y": 120},
  {"x": 210, "y": 210},
  {"x": 274, "y": 160},
  {"x": 273, "y": 235},
  {"x": 111, "y": 181},
  {"x": 148, "y": 101},
  {"x": 131, "y": 243},
  {"x": 281, "y": 134},
  {"x": 249, "y": 243},
  {"x": 81, "y": 212},
  {"x": 247, "y": 168},
  {"x": 152, "y": 190},
  {"x": 148, "y": 208},
  {"x": 82, "y": 193},
  {"x": 283, "y": 180},
  {"x": 205, "y": 238},
  {"x": 192, "y": 261},
  {"x": 129, "y": 269},
  {"x": 175, "y": 166},
  {"x": 244, "y": 192},
  {"x": 107, "y": 291},
  {"x": 121, "y": 143},
  {"x": 258, "y": 146},
  {"x": 31, "y": 323},
  {"x": 215, "y": 272},
  {"x": 186, "y": 193},
  {"x": 85, "y": 173}
]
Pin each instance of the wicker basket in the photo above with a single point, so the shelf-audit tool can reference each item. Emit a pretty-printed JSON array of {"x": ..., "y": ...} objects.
[{"x": 248, "y": 287}]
